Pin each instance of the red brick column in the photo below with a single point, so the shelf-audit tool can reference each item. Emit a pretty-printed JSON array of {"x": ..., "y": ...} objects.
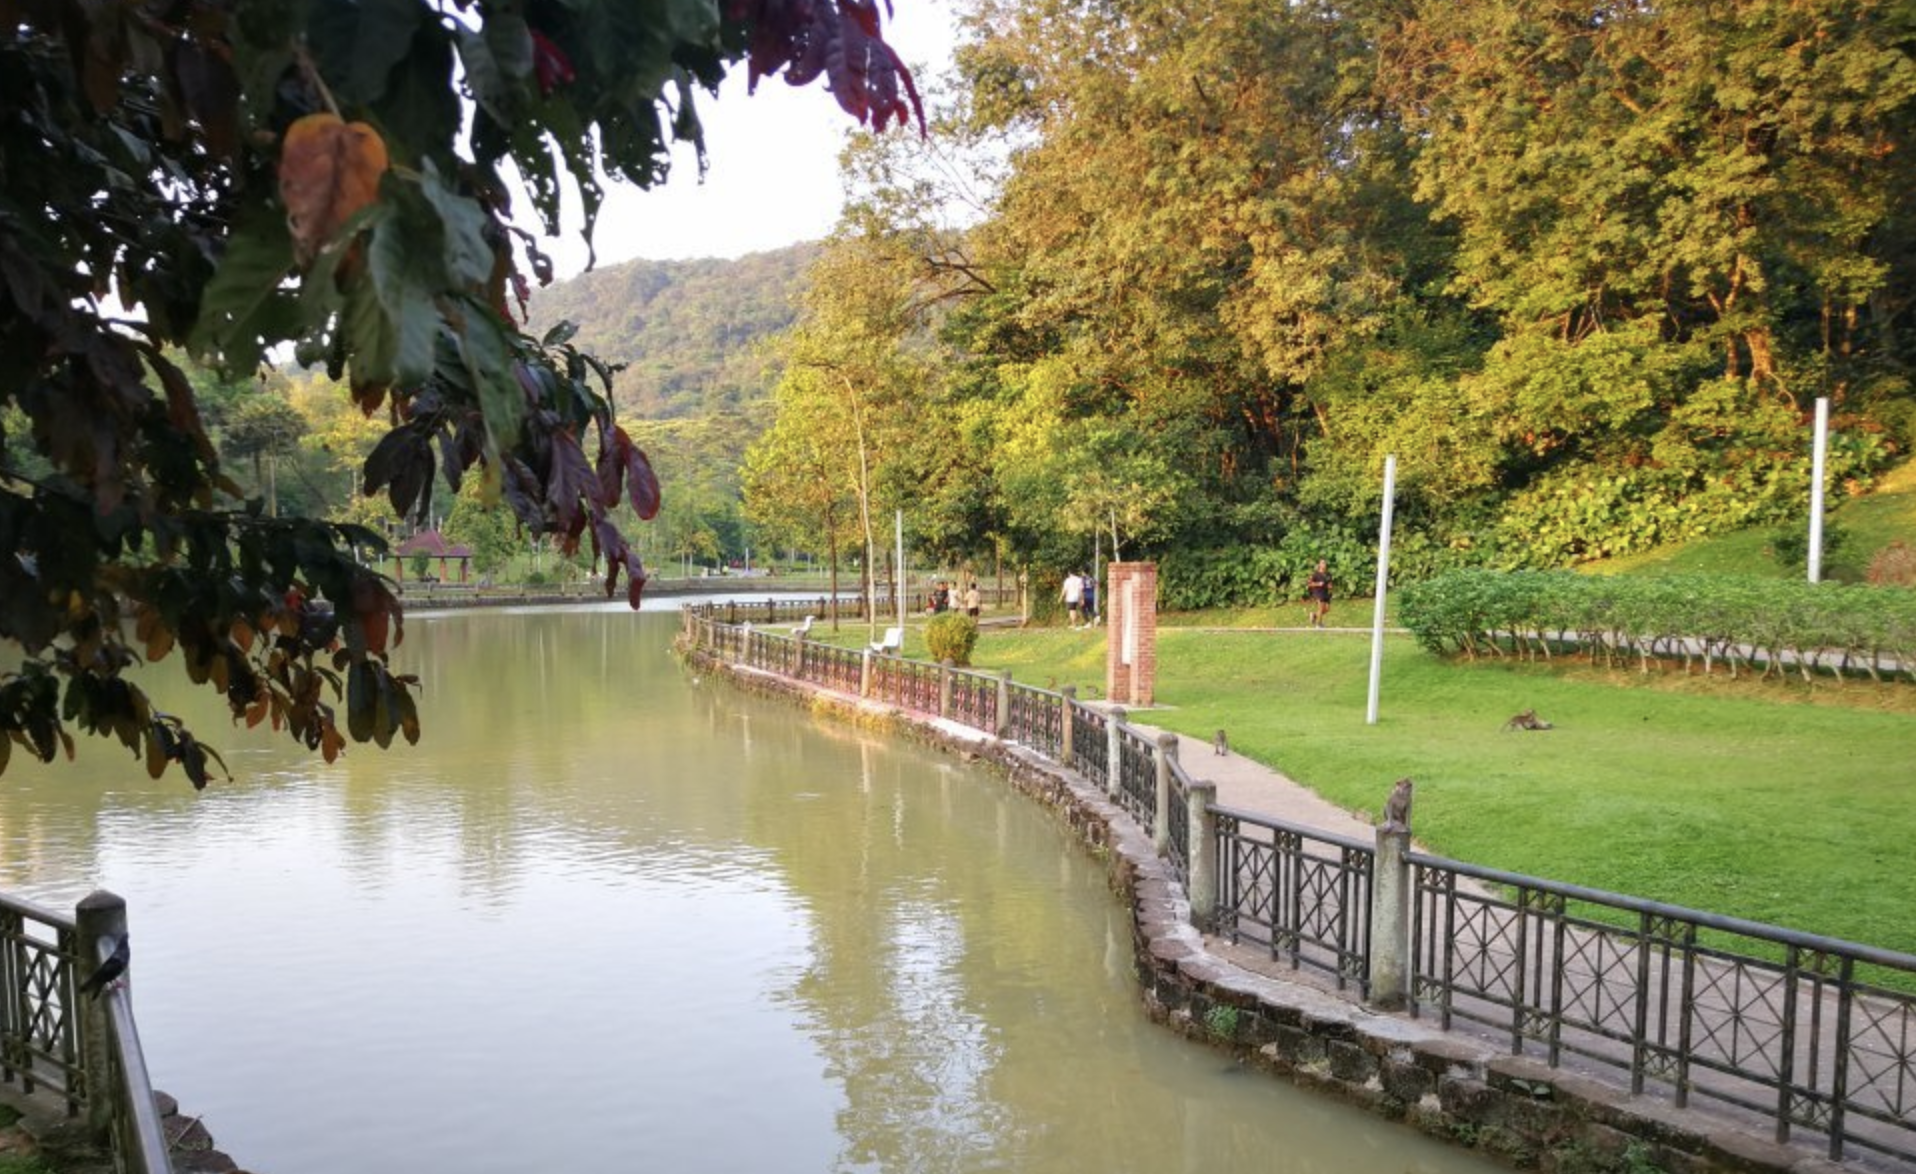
[{"x": 1131, "y": 632}]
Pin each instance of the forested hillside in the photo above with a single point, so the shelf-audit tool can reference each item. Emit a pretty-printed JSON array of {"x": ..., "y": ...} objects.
[
  {"x": 688, "y": 331},
  {"x": 1583, "y": 267}
]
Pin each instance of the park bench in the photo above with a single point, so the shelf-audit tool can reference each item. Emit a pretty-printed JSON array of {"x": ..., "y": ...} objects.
[
  {"x": 894, "y": 640},
  {"x": 805, "y": 629}
]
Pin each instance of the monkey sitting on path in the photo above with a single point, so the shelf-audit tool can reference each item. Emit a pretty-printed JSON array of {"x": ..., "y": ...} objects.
[
  {"x": 1527, "y": 720},
  {"x": 1221, "y": 744}
]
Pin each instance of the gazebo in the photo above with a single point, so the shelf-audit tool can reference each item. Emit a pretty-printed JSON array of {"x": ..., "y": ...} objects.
[{"x": 432, "y": 544}]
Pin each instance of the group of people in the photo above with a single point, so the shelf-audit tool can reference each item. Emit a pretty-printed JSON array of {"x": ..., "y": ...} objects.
[
  {"x": 1080, "y": 596},
  {"x": 1081, "y": 599},
  {"x": 941, "y": 599}
]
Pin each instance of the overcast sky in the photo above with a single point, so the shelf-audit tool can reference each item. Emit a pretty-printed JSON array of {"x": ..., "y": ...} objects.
[{"x": 772, "y": 176}]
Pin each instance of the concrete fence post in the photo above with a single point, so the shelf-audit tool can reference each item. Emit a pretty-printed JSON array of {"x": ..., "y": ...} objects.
[
  {"x": 1064, "y": 733},
  {"x": 1166, "y": 754},
  {"x": 99, "y": 917},
  {"x": 1114, "y": 753},
  {"x": 944, "y": 688},
  {"x": 865, "y": 673},
  {"x": 1003, "y": 724},
  {"x": 1390, "y": 903},
  {"x": 1201, "y": 820}
]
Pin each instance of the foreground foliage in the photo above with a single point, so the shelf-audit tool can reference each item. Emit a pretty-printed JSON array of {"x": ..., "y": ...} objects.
[{"x": 256, "y": 177}]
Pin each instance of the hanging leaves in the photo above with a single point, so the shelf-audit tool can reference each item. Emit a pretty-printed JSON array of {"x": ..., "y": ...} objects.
[
  {"x": 328, "y": 170},
  {"x": 840, "y": 41},
  {"x": 140, "y": 135}
]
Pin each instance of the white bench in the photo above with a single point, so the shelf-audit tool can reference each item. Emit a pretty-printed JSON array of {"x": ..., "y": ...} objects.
[
  {"x": 893, "y": 641},
  {"x": 804, "y": 629}
]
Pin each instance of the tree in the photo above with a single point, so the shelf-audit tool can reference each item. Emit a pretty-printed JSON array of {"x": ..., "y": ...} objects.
[
  {"x": 492, "y": 534},
  {"x": 251, "y": 176},
  {"x": 264, "y": 428}
]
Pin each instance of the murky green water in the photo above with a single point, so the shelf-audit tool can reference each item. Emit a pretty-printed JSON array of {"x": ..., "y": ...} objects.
[{"x": 609, "y": 918}]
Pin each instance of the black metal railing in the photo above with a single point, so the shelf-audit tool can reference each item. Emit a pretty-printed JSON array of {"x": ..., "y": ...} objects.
[
  {"x": 47, "y": 1035},
  {"x": 39, "y": 1033},
  {"x": 1178, "y": 815},
  {"x": 1809, "y": 1031},
  {"x": 974, "y": 700},
  {"x": 1036, "y": 719},
  {"x": 1090, "y": 743},
  {"x": 1137, "y": 775},
  {"x": 1303, "y": 895}
]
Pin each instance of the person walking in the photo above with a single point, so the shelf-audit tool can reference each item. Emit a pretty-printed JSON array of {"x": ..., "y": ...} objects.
[
  {"x": 972, "y": 601},
  {"x": 1090, "y": 601},
  {"x": 1074, "y": 598},
  {"x": 1317, "y": 589}
]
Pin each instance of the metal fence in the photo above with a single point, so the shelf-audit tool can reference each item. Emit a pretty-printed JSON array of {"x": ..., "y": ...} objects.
[
  {"x": 1808, "y": 1031},
  {"x": 1816, "y": 1035},
  {"x": 1303, "y": 895},
  {"x": 87, "y": 1053}
]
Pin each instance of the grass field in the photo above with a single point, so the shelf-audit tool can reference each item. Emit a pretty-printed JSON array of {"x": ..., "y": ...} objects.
[{"x": 1778, "y": 802}]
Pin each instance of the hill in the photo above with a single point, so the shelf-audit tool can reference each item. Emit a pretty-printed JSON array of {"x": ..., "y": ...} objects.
[
  {"x": 1864, "y": 525},
  {"x": 688, "y": 331}
]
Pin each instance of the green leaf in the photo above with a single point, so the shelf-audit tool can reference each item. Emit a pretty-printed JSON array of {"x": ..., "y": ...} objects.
[
  {"x": 498, "y": 94},
  {"x": 235, "y": 309},
  {"x": 402, "y": 271},
  {"x": 487, "y": 357},
  {"x": 357, "y": 45},
  {"x": 462, "y": 224},
  {"x": 420, "y": 103}
]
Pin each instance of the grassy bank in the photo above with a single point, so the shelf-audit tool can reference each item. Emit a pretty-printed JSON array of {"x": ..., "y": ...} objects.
[{"x": 1782, "y": 803}]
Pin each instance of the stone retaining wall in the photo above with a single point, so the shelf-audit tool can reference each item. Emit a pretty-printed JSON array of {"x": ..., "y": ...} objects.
[{"x": 1455, "y": 1087}]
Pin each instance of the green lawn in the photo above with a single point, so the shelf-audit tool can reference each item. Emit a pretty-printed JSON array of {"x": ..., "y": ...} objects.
[{"x": 1778, "y": 802}]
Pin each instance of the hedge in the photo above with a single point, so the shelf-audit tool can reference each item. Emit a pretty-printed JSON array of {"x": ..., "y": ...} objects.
[{"x": 1737, "y": 621}]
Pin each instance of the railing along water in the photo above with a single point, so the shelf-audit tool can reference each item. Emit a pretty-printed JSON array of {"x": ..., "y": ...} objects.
[
  {"x": 83, "y": 1048},
  {"x": 1090, "y": 743},
  {"x": 1785, "y": 1024},
  {"x": 1812, "y": 1033},
  {"x": 1137, "y": 776},
  {"x": 1303, "y": 895}
]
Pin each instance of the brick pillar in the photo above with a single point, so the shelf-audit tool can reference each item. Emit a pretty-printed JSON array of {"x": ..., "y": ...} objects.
[{"x": 1131, "y": 643}]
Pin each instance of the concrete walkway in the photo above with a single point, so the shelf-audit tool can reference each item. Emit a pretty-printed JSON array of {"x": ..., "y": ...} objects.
[{"x": 1253, "y": 786}]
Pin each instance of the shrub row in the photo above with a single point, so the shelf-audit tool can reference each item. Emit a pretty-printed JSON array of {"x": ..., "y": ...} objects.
[{"x": 1735, "y": 621}]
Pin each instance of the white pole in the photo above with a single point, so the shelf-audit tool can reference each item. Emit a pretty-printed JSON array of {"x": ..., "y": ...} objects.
[
  {"x": 899, "y": 586},
  {"x": 1816, "y": 488},
  {"x": 1383, "y": 578}
]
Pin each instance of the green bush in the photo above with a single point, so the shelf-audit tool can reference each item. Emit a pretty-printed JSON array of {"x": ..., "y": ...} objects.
[
  {"x": 1790, "y": 547},
  {"x": 951, "y": 637}
]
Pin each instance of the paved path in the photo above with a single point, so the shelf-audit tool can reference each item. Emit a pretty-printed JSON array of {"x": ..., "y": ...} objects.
[{"x": 1242, "y": 782}]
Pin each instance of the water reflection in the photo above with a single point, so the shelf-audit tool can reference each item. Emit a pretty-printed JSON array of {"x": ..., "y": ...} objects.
[{"x": 602, "y": 918}]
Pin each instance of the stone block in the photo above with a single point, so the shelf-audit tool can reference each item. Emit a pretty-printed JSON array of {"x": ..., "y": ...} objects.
[
  {"x": 1406, "y": 1080},
  {"x": 1467, "y": 1100},
  {"x": 1350, "y": 1062},
  {"x": 1297, "y": 1047}
]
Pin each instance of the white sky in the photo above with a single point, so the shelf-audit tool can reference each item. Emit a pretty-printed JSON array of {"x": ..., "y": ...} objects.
[{"x": 772, "y": 176}]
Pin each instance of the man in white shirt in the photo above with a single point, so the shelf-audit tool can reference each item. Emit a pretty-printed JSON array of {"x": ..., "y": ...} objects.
[{"x": 1074, "y": 597}]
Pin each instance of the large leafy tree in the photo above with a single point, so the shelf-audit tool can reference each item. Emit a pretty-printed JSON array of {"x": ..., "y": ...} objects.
[{"x": 248, "y": 177}]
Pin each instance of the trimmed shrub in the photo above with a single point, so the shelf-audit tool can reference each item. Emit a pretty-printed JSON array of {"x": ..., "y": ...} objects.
[
  {"x": 951, "y": 636},
  {"x": 1731, "y": 620}
]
